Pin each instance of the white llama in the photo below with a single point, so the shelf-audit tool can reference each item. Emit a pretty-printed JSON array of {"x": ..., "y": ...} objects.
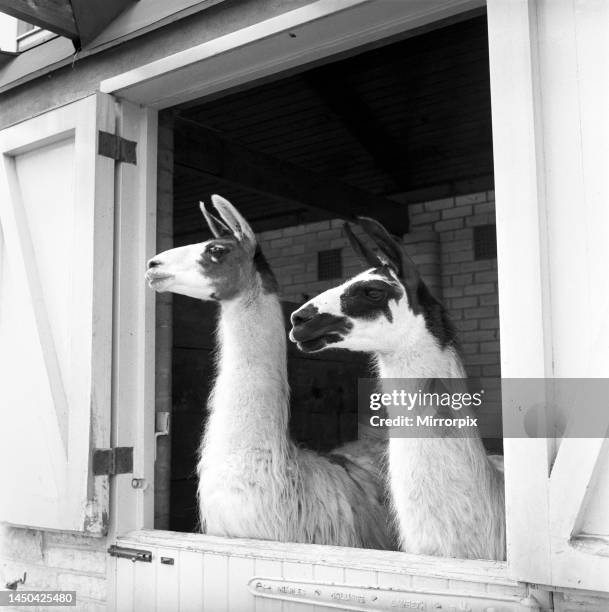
[
  {"x": 254, "y": 481},
  {"x": 447, "y": 496}
]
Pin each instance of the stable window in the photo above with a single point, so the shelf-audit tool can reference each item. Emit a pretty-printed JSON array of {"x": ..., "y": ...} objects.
[
  {"x": 341, "y": 127},
  {"x": 309, "y": 128},
  {"x": 300, "y": 564}
]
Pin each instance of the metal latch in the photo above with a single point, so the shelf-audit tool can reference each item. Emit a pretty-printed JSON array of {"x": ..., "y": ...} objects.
[
  {"x": 162, "y": 425},
  {"x": 110, "y": 461},
  {"x": 117, "y": 148},
  {"x": 133, "y": 554}
]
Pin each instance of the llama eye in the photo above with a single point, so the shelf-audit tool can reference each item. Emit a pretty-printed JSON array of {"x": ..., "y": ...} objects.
[
  {"x": 216, "y": 252},
  {"x": 375, "y": 294}
]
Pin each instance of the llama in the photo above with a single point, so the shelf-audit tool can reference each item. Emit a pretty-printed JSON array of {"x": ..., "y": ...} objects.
[
  {"x": 254, "y": 481},
  {"x": 447, "y": 496}
]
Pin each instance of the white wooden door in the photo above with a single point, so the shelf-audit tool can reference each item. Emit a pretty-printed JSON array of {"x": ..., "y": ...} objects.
[
  {"x": 56, "y": 229},
  {"x": 198, "y": 573},
  {"x": 549, "y": 63}
]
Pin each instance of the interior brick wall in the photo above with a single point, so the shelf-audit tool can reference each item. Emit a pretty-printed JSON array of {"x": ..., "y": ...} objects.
[{"x": 469, "y": 287}]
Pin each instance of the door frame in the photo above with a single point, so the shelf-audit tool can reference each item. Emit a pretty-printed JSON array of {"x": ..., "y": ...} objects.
[{"x": 333, "y": 27}]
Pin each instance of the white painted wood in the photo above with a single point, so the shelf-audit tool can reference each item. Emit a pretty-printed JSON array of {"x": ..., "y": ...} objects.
[
  {"x": 573, "y": 472},
  {"x": 322, "y": 28},
  {"x": 216, "y": 577},
  {"x": 134, "y": 312},
  {"x": 550, "y": 131},
  {"x": 361, "y": 577},
  {"x": 520, "y": 204},
  {"x": 268, "y": 569},
  {"x": 191, "y": 581},
  {"x": 167, "y": 581},
  {"x": 398, "y": 581},
  {"x": 8, "y": 33},
  {"x": 126, "y": 585},
  {"x": 494, "y": 572},
  {"x": 306, "y": 594},
  {"x": 145, "y": 583},
  {"x": 593, "y": 519},
  {"x": 133, "y": 330},
  {"x": 240, "y": 571},
  {"x": 322, "y": 573},
  {"x": 55, "y": 320},
  {"x": 227, "y": 565},
  {"x": 296, "y": 571}
]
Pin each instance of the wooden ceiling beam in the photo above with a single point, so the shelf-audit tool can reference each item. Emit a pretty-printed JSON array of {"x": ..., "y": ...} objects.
[
  {"x": 200, "y": 148},
  {"x": 389, "y": 155}
]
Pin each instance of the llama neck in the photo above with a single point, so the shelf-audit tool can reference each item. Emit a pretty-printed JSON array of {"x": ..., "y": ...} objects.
[
  {"x": 250, "y": 400},
  {"x": 420, "y": 356},
  {"x": 423, "y": 366},
  {"x": 419, "y": 360},
  {"x": 437, "y": 481}
]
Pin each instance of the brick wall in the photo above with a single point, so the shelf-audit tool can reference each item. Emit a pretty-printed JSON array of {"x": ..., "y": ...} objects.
[
  {"x": 292, "y": 253},
  {"x": 469, "y": 287},
  {"x": 56, "y": 561},
  {"x": 469, "y": 290}
]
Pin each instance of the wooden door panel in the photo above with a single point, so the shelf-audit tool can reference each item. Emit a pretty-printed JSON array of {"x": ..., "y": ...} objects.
[{"x": 55, "y": 315}]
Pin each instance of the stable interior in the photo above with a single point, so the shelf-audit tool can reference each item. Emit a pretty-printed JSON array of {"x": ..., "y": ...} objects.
[{"x": 400, "y": 131}]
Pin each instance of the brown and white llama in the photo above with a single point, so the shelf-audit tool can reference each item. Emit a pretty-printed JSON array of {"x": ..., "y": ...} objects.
[
  {"x": 254, "y": 481},
  {"x": 447, "y": 496}
]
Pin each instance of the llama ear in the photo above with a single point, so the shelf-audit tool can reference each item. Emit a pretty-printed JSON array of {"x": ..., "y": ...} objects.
[
  {"x": 383, "y": 239},
  {"x": 239, "y": 227},
  {"x": 365, "y": 253},
  {"x": 217, "y": 227}
]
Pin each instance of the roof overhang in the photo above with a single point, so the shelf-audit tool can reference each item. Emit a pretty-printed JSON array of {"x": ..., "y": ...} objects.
[
  {"x": 79, "y": 20},
  {"x": 293, "y": 39}
]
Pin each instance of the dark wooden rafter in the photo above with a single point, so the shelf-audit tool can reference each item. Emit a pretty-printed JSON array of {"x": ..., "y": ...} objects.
[
  {"x": 389, "y": 155},
  {"x": 79, "y": 20},
  {"x": 205, "y": 150}
]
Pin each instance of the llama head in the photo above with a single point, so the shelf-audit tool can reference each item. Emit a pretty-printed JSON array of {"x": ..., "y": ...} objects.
[
  {"x": 228, "y": 265},
  {"x": 375, "y": 311}
]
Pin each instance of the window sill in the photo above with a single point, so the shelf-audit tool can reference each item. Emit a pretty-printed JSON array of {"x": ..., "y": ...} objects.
[{"x": 491, "y": 572}]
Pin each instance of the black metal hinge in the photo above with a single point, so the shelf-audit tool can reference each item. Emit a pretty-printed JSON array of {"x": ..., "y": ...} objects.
[
  {"x": 133, "y": 554},
  {"x": 110, "y": 461},
  {"x": 117, "y": 148}
]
